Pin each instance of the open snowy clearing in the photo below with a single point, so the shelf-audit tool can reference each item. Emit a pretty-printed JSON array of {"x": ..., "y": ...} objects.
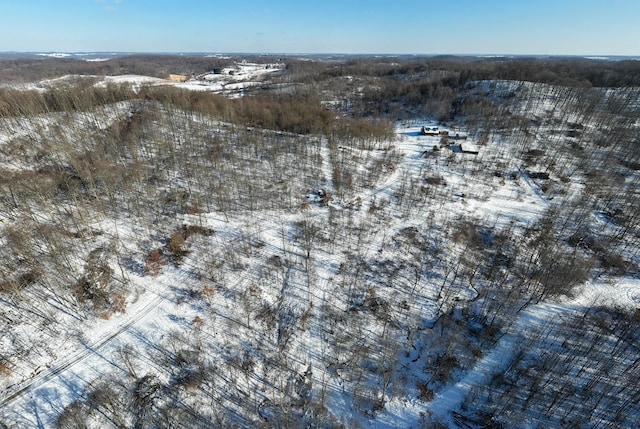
[{"x": 229, "y": 80}]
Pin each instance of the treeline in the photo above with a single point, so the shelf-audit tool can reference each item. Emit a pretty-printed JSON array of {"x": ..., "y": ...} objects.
[
  {"x": 33, "y": 69},
  {"x": 578, "y": 72},
  {"x": 80, "y": 97},
  {"x": 403, "y": 88},
  {"x": 299, "y": 113},
  {"x": 565, "y": 72}
]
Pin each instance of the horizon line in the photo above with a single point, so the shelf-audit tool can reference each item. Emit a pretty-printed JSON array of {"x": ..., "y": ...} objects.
[{"x": 239, "y": 53}]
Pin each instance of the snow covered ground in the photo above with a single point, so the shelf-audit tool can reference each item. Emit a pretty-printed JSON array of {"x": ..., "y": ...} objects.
[
  {"x": 230, "y": 81},
  {"x": 36, "y": 399},
  {"x": 347, "y": 277}
]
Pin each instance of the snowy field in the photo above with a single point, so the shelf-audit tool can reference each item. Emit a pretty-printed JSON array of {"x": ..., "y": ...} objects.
[{"x": 230, "y": 81}]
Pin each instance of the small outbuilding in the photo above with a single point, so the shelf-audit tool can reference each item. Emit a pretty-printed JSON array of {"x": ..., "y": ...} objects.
[
  {"x": 429, "y": 131},
  {"x": 469, "y": 148},
  {"x": 178, "y": 78}
]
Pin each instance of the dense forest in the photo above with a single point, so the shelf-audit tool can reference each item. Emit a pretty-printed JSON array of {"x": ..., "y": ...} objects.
[{"x": 576, "y": 72}]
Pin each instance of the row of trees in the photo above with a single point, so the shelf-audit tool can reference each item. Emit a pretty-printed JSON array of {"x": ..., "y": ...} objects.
[
  {"x": 556, "y": 71},
  {"x": 300, "y": 113},
  {"x": 29, "y": 69},
  {"x": 573, "y": 72},
  {"x": 398, "y": 87}
]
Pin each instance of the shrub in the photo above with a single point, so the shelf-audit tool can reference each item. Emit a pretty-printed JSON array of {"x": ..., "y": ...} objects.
[
  {"x": 467, "y": 232},
  {"x": 177, "y": 240},
  {"x": 4, "y": 368},
  {"x": 445, "y": 364},
  {"x": 155, "y": 263},
  {"x": 435, "y": 180},
  {"x": 176, "y": 243},
  {"x": 426, "y": 394}
]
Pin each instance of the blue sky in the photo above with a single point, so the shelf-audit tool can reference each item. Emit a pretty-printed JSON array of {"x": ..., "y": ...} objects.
[{"x": 539, "y": 27}]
